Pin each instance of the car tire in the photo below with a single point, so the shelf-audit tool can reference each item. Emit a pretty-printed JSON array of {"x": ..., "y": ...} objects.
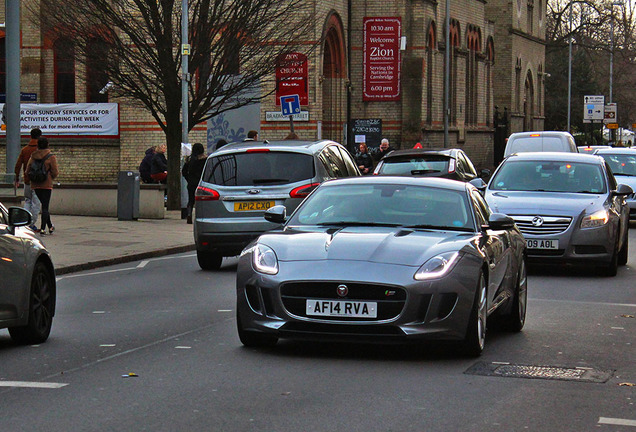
[
  {"x": 516, "y": 319},
  {"x": 474, "y": 341},
  {"x": 623, "y": 254},
  {"x": 254, "y": 339},
  {"x": 41, "y": 308},
  {"x": 611, "y": 269},
  {"x": 209, "y": 260}
]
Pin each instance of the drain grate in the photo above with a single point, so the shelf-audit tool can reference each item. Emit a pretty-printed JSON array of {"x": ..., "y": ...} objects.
[{"x": 509, "y": 370}]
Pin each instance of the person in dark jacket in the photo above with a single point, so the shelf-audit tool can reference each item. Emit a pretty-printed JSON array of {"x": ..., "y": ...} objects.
[
  {"x": 192, "y": 170},
  {"x": 44, "y": 189},
  {"x": 383, "y": 150},
  {"x": 364, "y": 160},
  {"x": 159, "y": 165},
  {"x": 144, "y": 166}
]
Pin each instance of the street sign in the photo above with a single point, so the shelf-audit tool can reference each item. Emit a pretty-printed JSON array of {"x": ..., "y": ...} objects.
[
  {"x": 593, "y": 108},
  {"x": 612, "y": 125},
  {"x": 610, "y": 113},
  {"x": 290, "y": 105}
]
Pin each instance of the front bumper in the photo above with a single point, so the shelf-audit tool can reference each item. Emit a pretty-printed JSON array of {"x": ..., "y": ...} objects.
[{"x": 435, "y": 310}]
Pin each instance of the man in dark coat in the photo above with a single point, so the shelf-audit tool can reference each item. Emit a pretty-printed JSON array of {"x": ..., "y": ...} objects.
[{"x": 144, "y": 166}]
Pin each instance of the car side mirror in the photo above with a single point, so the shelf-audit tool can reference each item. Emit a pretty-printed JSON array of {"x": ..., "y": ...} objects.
[
  {"x": 276, "y": 214},
  {"x": 623, "y": 190},
  {"x": 484, "y": 173},
  {"x": 500, "y": 221},
  {"x": 479, "y": 183},
  {"x": 18, "y": 217}
]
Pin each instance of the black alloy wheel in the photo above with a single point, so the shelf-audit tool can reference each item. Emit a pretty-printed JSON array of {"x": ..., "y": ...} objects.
[
  {"x": 516, "y": 319},
  {"x": 41, "y": 308}
]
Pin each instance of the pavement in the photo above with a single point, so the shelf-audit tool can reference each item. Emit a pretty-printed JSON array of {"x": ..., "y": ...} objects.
[{"x": 86, "y": 242}]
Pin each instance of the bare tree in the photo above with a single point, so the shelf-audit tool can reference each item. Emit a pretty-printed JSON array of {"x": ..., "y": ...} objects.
[{"x": 234, "y": 46}]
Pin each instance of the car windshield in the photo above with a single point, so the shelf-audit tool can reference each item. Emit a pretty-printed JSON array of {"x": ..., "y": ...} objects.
[
  {"x": 549, "y": 176},
  {"x": 621, "y": 164},
  {"x": 385, "y": 205},
  {"x": 414, "y": 165},
  {"x": 258, "y": 168}
]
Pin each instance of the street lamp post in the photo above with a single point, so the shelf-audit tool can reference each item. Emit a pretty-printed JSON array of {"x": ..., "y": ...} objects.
[
  {"x": 570, "y": 70},
  {"x": 611, "y": 65},
  {"x": 447, "y": 74}
]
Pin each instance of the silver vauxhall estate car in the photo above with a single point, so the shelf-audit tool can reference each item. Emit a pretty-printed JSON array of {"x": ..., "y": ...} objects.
[
  {"x": 242, "y": 180},
  {"x": 568, "y": 206}
]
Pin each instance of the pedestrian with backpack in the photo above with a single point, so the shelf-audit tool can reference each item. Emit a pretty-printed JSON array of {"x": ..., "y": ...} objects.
[
  {"x": 31, "y": 201},
  {"x": 42, "y": 170}
]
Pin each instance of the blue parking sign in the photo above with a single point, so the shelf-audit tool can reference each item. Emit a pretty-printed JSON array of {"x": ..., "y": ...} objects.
[{"x": 290, "y": 105}]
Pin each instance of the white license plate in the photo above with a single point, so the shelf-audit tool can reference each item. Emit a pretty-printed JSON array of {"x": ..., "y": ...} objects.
[
  {"x": 542, "y": 244},
  {"x": 342, "y": 308}
]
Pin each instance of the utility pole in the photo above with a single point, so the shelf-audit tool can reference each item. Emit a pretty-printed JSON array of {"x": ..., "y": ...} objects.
[
  {"x": 12, "y": 100},
  {"x": 447, "y": 74},
  {"x": 185, "y": 53}
]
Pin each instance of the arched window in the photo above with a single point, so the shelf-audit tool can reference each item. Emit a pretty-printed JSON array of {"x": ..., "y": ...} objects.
[
  {"x": 490, "y": 61},
  {"x": 454, "y": 47},
  {"x": 3, "y": 64},
  {"x": 96, "y": 74},
  {"x": 430, "y": 47},
  {"x": 473, "y": 43},
  {"x": 64, "y": 67}
]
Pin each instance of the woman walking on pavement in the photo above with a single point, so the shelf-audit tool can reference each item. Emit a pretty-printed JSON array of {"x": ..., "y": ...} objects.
[
  {"x": 192, "y": 171},
  {"x": 44, "y": 188}
]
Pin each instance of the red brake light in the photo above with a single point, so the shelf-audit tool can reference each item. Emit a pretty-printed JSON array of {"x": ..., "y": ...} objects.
[
  {"x": 257, "y": 150},
  {"x": 303, "y": 191},
  {"x": 206, "y": 194},
  {"x": 535, "y": 135}
]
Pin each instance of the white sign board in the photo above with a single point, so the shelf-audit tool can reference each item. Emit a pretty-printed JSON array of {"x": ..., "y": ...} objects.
[
  {"x": 593, "y": 108},
  {"x": 611, "y": 116},
  {"x": 275, "y": 116},
  {"x": 70, "y": 119}
]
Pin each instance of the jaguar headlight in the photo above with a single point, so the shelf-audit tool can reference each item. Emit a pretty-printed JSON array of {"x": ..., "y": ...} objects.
[
  {"x": 595, "y": 220},
  {"x": 264, "y": 259},
  {"x": 437, "y": 266}
]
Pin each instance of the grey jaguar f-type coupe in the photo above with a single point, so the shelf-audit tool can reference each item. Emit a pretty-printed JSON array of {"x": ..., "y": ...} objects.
[{"x": 384, "y": 259}]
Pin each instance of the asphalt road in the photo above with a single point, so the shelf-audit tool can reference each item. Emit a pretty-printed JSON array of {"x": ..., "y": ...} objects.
[{"x": 172, "y": 327}]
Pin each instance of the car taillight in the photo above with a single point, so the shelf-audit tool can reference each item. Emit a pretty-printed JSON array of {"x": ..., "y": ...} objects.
[
  {"x": 451, "y": 165},
  {"x": 206, "y": 194},
  {"x": 303, "y": 191}
]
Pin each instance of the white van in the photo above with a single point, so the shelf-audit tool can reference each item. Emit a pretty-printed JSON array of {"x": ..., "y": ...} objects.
[{"x": 542, "y": 141}]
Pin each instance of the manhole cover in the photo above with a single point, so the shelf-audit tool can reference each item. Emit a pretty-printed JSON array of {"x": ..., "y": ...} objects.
[{"x": 510, "y": 370}]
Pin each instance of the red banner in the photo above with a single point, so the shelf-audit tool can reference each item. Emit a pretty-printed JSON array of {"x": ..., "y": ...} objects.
[
  {"x": 381, "y": 58},
  {"x": 291, "y": 77}
]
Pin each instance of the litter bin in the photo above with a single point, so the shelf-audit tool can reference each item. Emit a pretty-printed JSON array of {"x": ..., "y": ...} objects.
[{"x": 128, "y": 195}]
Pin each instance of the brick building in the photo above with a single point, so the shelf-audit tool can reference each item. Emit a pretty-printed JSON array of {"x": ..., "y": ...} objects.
[{"x": 497, "y": 58}]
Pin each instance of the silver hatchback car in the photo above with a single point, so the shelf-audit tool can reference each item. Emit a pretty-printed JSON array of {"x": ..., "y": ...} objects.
[
  {"x": 27, "y": 279},
  {"x": 568, "y": 206},
  {"x": 622, "y": 162},
  {"x": 242, "y": 180}
]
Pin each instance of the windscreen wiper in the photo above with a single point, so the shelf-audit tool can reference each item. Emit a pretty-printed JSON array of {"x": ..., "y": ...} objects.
[
  {"x": 357, "y": 223},
  {"x": 437, "y": 227},
  {"x": 424, "y": 171},
  {"x": 269, "y": 180}
]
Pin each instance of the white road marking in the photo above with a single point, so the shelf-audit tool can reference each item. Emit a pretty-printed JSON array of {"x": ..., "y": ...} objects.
[
  {"x": 107, "y": 345},
  {"x": 99, "y": 312},
  {"x": 224, "y": 310},
  {"x": 182, "y": 347},
  {"x": 28, "y": 384},
  {"x": 141, "y": 265},
  {"x": 616, "y": 421},
  {"x": 629, "y": 305}
]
